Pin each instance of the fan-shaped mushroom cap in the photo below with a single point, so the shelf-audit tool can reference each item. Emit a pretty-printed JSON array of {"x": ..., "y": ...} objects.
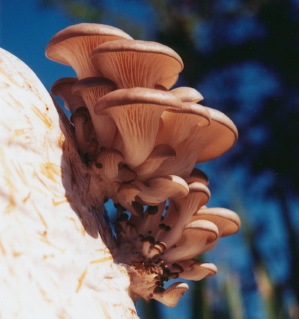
[
  {"x": 156, "y": 190},
  {"x": 219, "y": 137},
  {"x": 177, "y": 124},
  {"x": 196, "y": 270},
  {"x": 227, "y": 221},
  {"x": 91, "y": 90},
  {"x": 195, "y": 239},
  {"x": 202, "y": 144},
  {"x": 136, "y": 112},
  {"x": 73, "y": 45},
  {"x": 187, "y": 94},
  {"x": 63, "y": 89},
  {"x": 136, "y": 63},
  {"x": 171, "y": 296},
  {"x": 180, "y": 212}
]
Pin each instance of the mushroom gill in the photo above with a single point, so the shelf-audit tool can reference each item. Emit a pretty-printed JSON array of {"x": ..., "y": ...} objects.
[
  {"x": 136, "y": 112},
  {"x": 136, "y": 63}
]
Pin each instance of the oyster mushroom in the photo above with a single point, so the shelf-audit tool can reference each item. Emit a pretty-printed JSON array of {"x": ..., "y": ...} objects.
[
  {"x": 202, "y": 144},
  {"x": 195, "y": 240},
  {"x": 227, "y": 221},
  {"x": 171, "y": 296},
  {"x": 136, "y": 63},
  {"x": 91, "y": 90},
  {"x": 63, "y": 89},
  {"x": 196, "y": 270},
  {"x": 176, "y": 124},
  {"x": 180, "y": 212},
  {"x": 221, "y": 136},
  {"x": 158, "y": 189},
  {"x": 136, "y": 112},
  {"x": 73, "y": 45}
]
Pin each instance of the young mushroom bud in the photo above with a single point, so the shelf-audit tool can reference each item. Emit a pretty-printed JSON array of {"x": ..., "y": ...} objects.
[{"x": 109, "y": 160}]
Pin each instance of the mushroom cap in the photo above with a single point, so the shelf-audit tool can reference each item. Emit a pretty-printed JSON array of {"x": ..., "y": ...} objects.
[
  {"x": 196, "y": 270},
  {"x": 63, "y": 88},
  {"x": 137, "y": 95},
  {"x": 202, "y": 144},
  {"x": 227, "y": 221},
  {"x": 219, "y": 137},
  {"x": 187, "y": 94},
  {"x": 196, "y": 238},
  {"x": 77, "y": 32},
  {"x": 136, "y": 63},
  {"x": 136, "y": 112},
  {"x": 171, "y": 296},
  {"x": 156, "y": 190},
  {"x": 177, "y": 124},
  {"x": 93, "y": 88},
  {"x": 76, "y": 42}
]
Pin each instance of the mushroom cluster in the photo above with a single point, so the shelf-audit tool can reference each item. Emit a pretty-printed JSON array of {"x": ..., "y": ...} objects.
[{"x": 141, "y": 140}]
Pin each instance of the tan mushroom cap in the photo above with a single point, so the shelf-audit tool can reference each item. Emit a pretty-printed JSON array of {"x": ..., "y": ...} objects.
[
  {"x": 196, "y": 238},
  {"x": 202, "y": 144},
  {"x": 219, "y": 137},
  {"x": 196, "y": 270},
  {"x": 171, "y": 296},
  {"x": 136, "y": 63},
  {"x": 180, "y": 212},
  {"x": 73, "y": 45},
  {"x": 91, "y": 89},
  {"x": 63, "y": 88},
  {"x": 227, "y": 221},
  {"x": 136, "y": 112},
  {"x": 177, "y": 124},
  {"x": 156, "y": 190},
  {"x": 187, "y": 94}
]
